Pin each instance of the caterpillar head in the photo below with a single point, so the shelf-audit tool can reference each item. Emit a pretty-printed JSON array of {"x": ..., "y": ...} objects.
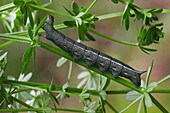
[
  {"x": 49, "y": 22},
  {"x": 137, "y": 80}
]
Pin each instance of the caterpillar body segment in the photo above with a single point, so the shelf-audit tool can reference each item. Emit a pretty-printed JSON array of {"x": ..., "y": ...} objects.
[{"x": 90, "y": 56}]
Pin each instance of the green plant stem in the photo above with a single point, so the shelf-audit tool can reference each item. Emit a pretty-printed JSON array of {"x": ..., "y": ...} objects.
[
  {"x": 90, "y": 6},
  {"x": 51, "y": 11},
  {"x": 21, "y": 102},
  {"x": 122, "y": 1},
  {"x": 167, "y": 11},
  {"x": 18, "y": 91},
  {"x": 113, "y": 39},
  {"x": 43, "y": 87},
  {"x": 148, "y": 74},
  {"x": 15, "y": 38},
  {"x": 6, "y": 43},
  {"x": 112, "y": 108},
  {"x": 109, "y": 92},
  {"x": 165, "y": 78},
  {"x": 144, "y": 106},
  {"x": 7, "y": 6},
  {"x": 110, "y": 15},
  {"x": 158, "y": 104},
  {"x": 160, "y": 91},
  {"x": 117, "y": 92},
  {"x": 38, "y": 110}
]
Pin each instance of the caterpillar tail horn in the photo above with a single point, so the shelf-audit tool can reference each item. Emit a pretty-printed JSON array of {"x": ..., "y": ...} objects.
[{"x": 142, "y": 72}]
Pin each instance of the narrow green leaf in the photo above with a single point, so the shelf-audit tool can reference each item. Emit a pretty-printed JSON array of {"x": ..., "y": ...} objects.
[
  {"x": 18, "y": 105},
  {"x": 40, "y": 25},
  {"x": 38, "y": 21},
  {"x": 90, "y": 37},
  {"x": 26, "y": 95},
  {"x": 85, "y": 16},
  {"x": 65, "y": 86},
  {"x": 84, "y": 89},
  {"x": 83, "y": 75},
  {"x": 132, "y": 95},
  {"x": 25, "y": 16},
  {"x": 28, "y": 54},
  {"x": 92, "y": 105},
  {"x": 149, "y": 73},
  {"x": 127, "y": 22},
  {"x": 115, "y": 1},
  {"x": 106, "y": 84},
  {"x": 158, "y": 10},
  {"x": 75, "y": 8},
  {"x": 30, "y": 17},
  {"x": 81, "y": 32},
  {"x": 148, "y": 101},
  {"x": 30, "y": 33},
  {"x": 126, "y": 11},
  {"x": 82, "y": 82},
  {"x": 140, "y": 105},
  {"x": 9, "y": 77},
  {"x": 70, "y": 70},
  {"x": 25, "y": 66},
  {"x": 143, "y": 50},
  {"x": 148, "y": 49},
  {"x": 27, "y": 58},
  {"x": 69, "y": 12},
  {"x": 151, "y": 86},
  {"x": 34, "y": 57},
  {"x": 70, "y": 23},
  {"x": 61, "y": 61},
  {"x": 55, "y": 98},
  {"x": 51, "y": 98},
  {"x": 3, "y": 56},
  {"x": 51, "y": 84},
  {"x": 23, "y": 8},
  {"x": 18, "y": 2}
]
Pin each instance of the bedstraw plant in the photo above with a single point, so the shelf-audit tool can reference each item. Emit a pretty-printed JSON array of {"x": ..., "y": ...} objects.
[{"x": 22, "y": 24}]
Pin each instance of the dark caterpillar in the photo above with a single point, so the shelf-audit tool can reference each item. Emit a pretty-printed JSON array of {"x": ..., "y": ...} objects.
[{"x": 90, "y": 55}]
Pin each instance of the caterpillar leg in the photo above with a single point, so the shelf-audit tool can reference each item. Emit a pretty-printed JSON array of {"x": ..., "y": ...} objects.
[
  {"x": 102, "y": 69},
  {"x": 88, "y": 63},
  {"x": 78, "y": 51},
  {"x": 103, "y": 62},
  {"x": 114, "y": 73},
  {"x": 90, "y": 56},
  {"x": 76, "y": 58}
]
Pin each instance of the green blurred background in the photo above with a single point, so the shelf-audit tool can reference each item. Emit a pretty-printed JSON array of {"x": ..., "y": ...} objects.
[{"x": 46, "y": 61}]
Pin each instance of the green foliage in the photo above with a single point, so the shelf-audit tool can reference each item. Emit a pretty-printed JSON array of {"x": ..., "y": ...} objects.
[
  {"x": 152, "y": 35},
  {"x": 25, "y": 9},
  {"x": 3, "y": 62},
  {"x": 82, "y": 20},
  {"x": 39, "y": 25},
  {"x": 38, "y": 97},
  {"x": 115, "y": 1}
]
